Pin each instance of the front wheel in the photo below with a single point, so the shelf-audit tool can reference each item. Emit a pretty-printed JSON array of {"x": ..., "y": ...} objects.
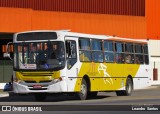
[
  {"x": 82, "y": 95},
  {"x": 128, "y": 89}
]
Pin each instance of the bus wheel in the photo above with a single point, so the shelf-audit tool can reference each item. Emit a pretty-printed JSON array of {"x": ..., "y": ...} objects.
[
  {"x": 128, "y": 89},
  {"x": 82, "y": 95},
  {"x": 40, "y": 96}
]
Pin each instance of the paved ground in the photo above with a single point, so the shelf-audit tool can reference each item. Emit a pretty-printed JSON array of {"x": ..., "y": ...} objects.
[{"x": 148, "y": 96}]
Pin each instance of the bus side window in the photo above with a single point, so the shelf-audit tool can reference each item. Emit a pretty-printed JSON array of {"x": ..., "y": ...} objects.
[
  {"x": 146, "y": 57},
  {"x": 119, "y": 48},
  {"x": 139, "y": 58},
  {"x": 84, "y": 50},
  {"x": 71, "y": 53}
]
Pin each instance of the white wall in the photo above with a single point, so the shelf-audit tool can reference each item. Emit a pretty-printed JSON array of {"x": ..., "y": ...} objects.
[{"x": 154, "y": 51}]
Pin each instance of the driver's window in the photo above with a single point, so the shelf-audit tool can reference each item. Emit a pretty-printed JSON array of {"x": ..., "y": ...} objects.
[{"x": 71, "y": 53}]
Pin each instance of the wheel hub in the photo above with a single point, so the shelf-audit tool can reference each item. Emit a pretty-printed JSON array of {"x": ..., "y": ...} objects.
[{"x": 83, "y": 89}]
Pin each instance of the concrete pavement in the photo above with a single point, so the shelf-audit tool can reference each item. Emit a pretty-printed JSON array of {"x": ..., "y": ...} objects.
[{"x": 6, "y": 94}]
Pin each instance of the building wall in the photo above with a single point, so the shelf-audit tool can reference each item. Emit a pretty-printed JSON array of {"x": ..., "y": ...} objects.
[
  {"x": 154, "y": 46},
  {"x": 153, "y": 19},
  {"x": 148, "y": 9},
  {"x": 117, "y": 7},
  {"x": 19, "y": 19}
]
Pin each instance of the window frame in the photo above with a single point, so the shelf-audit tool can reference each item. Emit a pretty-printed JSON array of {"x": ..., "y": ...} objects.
[
  {"x": 138, "y": 53},
  {"x": 109, "y": 51},
  {"x": 129, "y": 55},
  {"x": 99, "y": 51},
  {"x": 146, "y": 53},
  {"x": 122, "y": 61},
  {"x": 85, "y": 50}
]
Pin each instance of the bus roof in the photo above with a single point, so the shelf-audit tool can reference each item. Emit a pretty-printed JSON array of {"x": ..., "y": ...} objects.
[{"x": 84, "y": 35}]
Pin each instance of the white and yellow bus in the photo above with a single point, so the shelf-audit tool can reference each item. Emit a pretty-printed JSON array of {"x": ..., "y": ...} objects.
[{"x": 67, "y": 62}]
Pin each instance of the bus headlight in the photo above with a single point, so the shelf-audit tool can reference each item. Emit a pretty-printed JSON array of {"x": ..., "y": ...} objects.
[
  {"x": 15, "y": 79},
  {"x": 58, "y": 79}
]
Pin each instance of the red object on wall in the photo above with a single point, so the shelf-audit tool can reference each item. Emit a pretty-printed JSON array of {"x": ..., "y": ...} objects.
[{"x": 155, "y": 74}]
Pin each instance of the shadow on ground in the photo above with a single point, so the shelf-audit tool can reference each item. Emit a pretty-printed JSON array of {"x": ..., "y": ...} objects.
[{"x": 50, "y": 98}]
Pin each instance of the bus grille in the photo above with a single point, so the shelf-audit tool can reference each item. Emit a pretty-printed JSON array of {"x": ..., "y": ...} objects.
[
  {"x": 47, "y": 81},
  {"x": 37, "y": 88},
  {"x": 37, "y": 74}
]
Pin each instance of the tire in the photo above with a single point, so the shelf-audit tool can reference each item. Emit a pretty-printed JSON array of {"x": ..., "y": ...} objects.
[
  {"x": 40, "y": 96},
  {"x": 128, "y": 89},
  {"x": 82, "y": 95}
]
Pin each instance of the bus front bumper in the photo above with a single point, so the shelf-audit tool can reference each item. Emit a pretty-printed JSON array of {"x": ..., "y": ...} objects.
[{"x": 52, "y": 88}]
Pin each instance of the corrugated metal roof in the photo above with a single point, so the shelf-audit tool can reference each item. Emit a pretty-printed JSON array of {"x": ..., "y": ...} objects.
[{"x": 118, "y": 7}]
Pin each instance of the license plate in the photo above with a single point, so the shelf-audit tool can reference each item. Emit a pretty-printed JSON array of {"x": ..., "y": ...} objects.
[{"x": 37, "y": 86}]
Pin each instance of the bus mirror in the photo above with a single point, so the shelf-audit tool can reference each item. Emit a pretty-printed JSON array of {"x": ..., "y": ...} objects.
[{"x": 6, "y": 55}]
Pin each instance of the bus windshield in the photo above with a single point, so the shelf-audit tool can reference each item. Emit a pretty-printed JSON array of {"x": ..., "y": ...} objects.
[{"x": 39, "y": 55}]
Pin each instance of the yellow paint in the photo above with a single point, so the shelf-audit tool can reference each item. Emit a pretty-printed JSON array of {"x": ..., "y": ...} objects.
[
  {"x": 107, "y": 76},
  {"x": 37, "y": 76},
  {"x": 87, "y": 67},
  {"x": 78, "y": 84}
]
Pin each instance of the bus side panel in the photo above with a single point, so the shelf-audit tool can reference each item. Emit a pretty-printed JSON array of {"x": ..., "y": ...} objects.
[
  {"x": 74, "y": 79},
  {"x": 143, "y": 77},
  {"x": 115, "y": 75},
  {"x": 111, "y": 77},
  {"x": 90, "y": 70}
]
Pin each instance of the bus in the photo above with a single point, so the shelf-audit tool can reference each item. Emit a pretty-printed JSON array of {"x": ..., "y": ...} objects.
[{"x": 61, "y": 61}]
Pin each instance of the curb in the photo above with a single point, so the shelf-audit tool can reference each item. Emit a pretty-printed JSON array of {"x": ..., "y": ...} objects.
[{"x": 4, "y": 94}]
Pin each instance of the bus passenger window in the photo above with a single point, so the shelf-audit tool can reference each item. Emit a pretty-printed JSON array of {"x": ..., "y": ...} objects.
[
  {"x": 108, "y": 51},
  {"x": 84, "y": 50},
  {"x": 119, "y": 46},
  {"x": 108, "y": 46},
  {"x": 84, "y": 44},
  {"x": 97, "y": 45},
  {"x": 85, "y": 56},
  {"x": 146, "y": 58},
  {"x": 109, "y": 57},
  {"x": 138, "y": 48},
  {"x": 139, "y": 59},
  {"x": 129, "y": 58},
  {"x": 129, "y": 47},
  {"x": 119, "y": 58},
  {"x": 97, "y": 56}
]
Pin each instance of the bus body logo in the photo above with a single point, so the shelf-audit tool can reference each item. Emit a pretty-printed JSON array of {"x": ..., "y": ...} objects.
[{"x": 107, "y": 78}]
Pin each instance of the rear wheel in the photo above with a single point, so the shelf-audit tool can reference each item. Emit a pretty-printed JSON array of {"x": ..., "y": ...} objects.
[
  {"x": 40, "y": 96},
  {"x": 82, "y": 95},
  {"x": 128, "y": 89}
]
